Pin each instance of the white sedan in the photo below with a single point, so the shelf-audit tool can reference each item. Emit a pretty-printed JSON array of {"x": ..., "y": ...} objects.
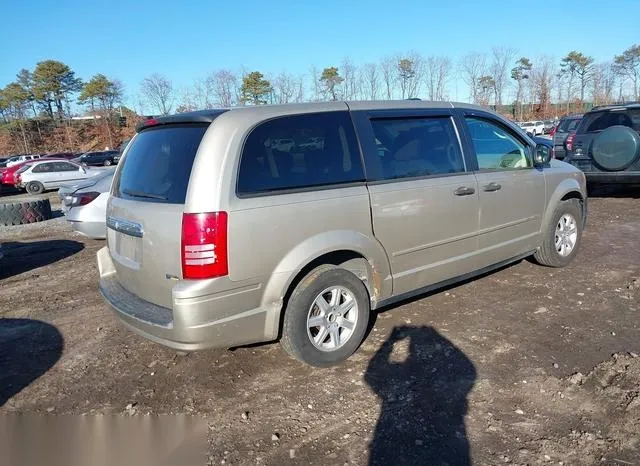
[
  {"x": 36, "y": 177},
  {"x": 85, "y": 204}
]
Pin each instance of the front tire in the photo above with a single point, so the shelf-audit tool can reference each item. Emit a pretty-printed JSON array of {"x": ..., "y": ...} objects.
[
  {"x": 562, "y": 235},
  {"x": 107, "y": 163},
  {"x": 326, "y": 317}
]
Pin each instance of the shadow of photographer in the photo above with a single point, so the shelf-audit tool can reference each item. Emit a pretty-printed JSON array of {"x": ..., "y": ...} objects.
[{"x": 423, "y": 381}]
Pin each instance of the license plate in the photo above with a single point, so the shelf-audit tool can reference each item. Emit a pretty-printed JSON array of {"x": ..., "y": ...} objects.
[{"x": 126, "y": 249}]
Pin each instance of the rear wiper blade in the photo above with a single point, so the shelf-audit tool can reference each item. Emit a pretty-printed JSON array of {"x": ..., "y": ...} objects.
[{"x": 144, "y": 195}]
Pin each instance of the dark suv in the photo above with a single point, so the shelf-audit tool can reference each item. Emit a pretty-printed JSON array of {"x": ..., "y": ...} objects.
[
  {"x": 606, "y": 145},
  {"x": 566, "y": 127},
  {"x": 106, "y": 158}
]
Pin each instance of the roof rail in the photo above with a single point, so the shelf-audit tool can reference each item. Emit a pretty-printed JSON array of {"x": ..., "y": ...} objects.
[{"x": 617, "y": 105}]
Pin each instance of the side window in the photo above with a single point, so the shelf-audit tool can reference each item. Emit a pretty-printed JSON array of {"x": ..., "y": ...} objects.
[
  {"x": 300, "y": 151},
  {"x": 65, "y": 167},
  {"x": 496, "y": 148},
  {"x": 416, "y": 147},
  {"x": 43, "y": 168}
]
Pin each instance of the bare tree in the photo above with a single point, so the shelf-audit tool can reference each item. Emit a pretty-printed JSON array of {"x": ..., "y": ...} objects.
[
  {"x": 224, "y": 88},
  {"x": 559, "y": 83},
  {"x": 285, "y": 88},
  {"x": 299, "y": 86},
  {"x": 316, "y": 87},
  {"x": 602, "y": 83},
  {"x": 158, "y": 91},
  {"x": 502, "y": 58},
  {"x": 388, "y": 67},
  {"x": 350, "y": 83},
  {"x": 542, "y": 82},
  {"x": 371, "y": 80},
  {"x": 437, "y": 71},
  {"x": 473, "y": 66}
]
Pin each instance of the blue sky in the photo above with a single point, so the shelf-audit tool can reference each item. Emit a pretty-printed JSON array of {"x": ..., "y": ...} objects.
[{"x": 185, "y": 40}]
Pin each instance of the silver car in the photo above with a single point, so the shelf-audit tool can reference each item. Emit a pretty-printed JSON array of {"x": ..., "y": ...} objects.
[
  {"x": 217, "y": 238},
  {"x": 36, "y": 177},
  {"x": 85, "y": 204}
]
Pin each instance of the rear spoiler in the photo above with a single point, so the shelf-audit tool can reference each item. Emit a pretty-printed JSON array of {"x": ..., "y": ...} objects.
[{"x": 202, "y": 116}]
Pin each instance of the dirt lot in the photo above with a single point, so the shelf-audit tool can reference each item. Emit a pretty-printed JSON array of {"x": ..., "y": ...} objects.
[{"x": 527, "y": 365}]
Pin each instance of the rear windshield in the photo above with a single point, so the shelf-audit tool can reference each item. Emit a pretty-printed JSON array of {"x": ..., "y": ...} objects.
[
  {"x": 158, "y": 164},
  {"x": 598, "y": 121},
  {"x": 570, "y": 124}
]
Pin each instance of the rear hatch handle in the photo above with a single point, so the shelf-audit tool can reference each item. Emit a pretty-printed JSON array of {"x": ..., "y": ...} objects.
[{"x": 125, "y": 226}]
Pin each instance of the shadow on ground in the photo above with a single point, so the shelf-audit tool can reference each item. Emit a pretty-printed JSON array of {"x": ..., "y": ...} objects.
[
  {"x": 28, "y": 349},
  {"x": 423, "y": 381},
  {"x": 23, "y": 257}
]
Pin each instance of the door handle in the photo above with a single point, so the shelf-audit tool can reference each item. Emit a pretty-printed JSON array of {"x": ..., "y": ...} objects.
[
  {"x": 493, "y": 186},
  {"x": 464, "y": 191}
]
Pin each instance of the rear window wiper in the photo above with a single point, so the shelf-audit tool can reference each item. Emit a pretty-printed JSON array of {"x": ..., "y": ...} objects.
[{"x": 142, "y": 194}]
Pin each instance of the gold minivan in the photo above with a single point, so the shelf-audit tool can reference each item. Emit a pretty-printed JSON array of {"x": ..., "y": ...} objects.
[{"x": 218, "y": 236}]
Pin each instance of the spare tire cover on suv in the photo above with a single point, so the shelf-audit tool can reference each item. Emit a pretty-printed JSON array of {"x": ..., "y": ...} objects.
[{"x": 616, "y": 148}]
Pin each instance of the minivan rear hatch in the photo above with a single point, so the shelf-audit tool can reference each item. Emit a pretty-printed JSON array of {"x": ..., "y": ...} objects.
[{"x": 144, "y": 214}]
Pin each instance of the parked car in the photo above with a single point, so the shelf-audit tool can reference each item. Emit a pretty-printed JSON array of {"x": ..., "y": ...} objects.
[
  {"x": 85, "y": 204},
  {"x": 312, "y": 143},
  {"x": 532, "y": 128},
  {"x": 8, "y": 177},
  {"x": 548, "y": 125},
  {"x": 565, "y": 127},
  {"x": 105, "y": 158},
  {"x": 214, "y": 239},
  {"x": 606, "y": 144},
  {"x": 20, "y": 159},
  {"x": 36, "y": 177},
  {"x": 61, "y": 155}
]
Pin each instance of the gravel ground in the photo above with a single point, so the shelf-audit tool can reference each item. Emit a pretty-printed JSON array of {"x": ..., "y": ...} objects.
[{"x": 527, "y": 365}]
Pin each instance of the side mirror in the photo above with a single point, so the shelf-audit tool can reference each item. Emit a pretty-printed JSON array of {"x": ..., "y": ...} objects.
[{"x": 542, "y": 155}]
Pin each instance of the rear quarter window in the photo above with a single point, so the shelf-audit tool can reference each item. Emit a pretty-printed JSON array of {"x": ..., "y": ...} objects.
[
  {"x": 599, "y": 121},
  {"x": 570, "y": 124},
  {"x": 298, "y": 152},
  {"x": 158, "y": 164}
]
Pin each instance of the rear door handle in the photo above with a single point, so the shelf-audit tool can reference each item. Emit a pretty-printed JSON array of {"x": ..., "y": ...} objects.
[
  {"x": 493, "y": 186},
  {"x": 464, "y": 191}
]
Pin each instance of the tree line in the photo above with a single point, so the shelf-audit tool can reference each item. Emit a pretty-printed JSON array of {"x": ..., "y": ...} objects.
[
  {"x": 517, "y": 85},
  {"x": 499, "y": 78}
]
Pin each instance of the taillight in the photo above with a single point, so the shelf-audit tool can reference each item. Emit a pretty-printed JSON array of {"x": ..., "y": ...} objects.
[
  {"x": 569, "y": 142},
  {"x": 204, "y": 245},
  {"x": 553, "y": 131},
  {"x": 18, "y": 179},
  {"x": 83, "y": 198}
]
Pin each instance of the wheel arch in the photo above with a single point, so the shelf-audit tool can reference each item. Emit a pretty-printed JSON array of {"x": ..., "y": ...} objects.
[
  {"x": 567, "y": 189},
  {"x": 360, "y": 254}
]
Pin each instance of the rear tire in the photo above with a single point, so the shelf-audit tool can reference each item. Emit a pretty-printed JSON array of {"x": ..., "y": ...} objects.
[
  {"x": 557, "y": 236},
  {"x": 341, "y": 320},
  {"x": 34, "y": 187}
]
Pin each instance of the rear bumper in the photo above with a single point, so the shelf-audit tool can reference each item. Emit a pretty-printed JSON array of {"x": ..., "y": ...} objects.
[
  {"x": 194, "y": 323},
  {"x": 559, "y": 152},
  {"x": 95, "y": 230},
  {"x": 625, "y": 177}
]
